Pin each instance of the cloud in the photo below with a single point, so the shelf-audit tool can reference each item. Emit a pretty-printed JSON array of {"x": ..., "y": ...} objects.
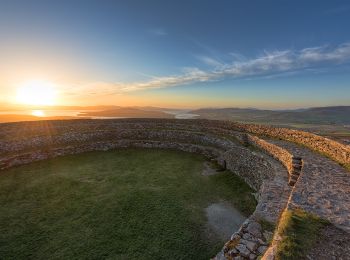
[
  {"x": 210, "y": 61},
  {"x": 270, "y": 63},
  {"x": 324, "y": 54}
]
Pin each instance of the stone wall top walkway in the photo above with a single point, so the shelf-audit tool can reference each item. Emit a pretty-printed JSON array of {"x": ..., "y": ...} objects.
[{"x": 323, "y": 187}]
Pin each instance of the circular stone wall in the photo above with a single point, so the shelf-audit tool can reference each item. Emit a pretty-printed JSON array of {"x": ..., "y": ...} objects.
[{"x": 268, "y": 168}]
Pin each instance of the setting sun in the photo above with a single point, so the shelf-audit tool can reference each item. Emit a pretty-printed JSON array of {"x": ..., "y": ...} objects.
[
  {"x": 38, "y": 113},
  {"x": 36, "y": 93}
]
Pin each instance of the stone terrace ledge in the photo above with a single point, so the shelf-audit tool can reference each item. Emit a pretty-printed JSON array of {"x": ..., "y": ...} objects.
[{"x": 323, "y": 187}]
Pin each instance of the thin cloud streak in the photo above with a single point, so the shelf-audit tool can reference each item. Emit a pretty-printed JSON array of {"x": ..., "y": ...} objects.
[{"x": 275, "y": 62}]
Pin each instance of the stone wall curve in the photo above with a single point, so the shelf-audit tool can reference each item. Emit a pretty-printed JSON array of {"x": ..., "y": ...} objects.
[{"x": 235, "y": 146}]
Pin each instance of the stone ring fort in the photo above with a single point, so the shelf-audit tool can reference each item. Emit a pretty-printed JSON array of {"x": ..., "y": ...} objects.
[{"x": 288, "y": 169}]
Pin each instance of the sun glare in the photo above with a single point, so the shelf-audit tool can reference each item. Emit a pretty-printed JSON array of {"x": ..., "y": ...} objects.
[
  {"x": 38, "y": 113},
  {"x": 36, "y": 93}
]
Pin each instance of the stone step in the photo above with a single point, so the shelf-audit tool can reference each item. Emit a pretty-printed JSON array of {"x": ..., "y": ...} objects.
[
  {"x": 294, "y": 177},
  {"x": 295, "y": 172},
  {"x": 297, "y": 166},
  {"x": 291, "y": 182},
  {"x": 297, "y": 162}
]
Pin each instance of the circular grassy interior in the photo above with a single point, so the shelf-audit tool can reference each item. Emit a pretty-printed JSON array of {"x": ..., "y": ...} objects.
[{"x": 124, "y": 204}]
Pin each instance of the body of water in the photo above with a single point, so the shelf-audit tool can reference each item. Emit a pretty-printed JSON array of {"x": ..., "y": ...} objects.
[{"x": 179, "y": 114}]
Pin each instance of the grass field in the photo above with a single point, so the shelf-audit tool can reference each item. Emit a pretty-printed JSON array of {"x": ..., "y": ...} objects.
[{"x": 127, "y": 204}]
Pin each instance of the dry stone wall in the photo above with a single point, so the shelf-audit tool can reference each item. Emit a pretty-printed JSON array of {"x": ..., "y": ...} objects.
[
  {"x": 293, "y": 163},
  {"x": 76, "y": 137},
  {"x": 268, "y": 168},
  {"x": 249, "y": 165},
  {"x": 335, "y": 150},
  {"x": 42, "y": 154}
]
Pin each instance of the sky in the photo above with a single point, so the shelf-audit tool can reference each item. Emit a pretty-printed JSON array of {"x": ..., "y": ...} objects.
[{"x": 185, "y": 53}]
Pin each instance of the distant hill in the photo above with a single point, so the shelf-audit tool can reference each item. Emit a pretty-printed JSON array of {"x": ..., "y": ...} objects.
[
  {"x": 317, "y": 115},
  {"x": 128, "y": 112},
  {"x": 335, "y": 115}
]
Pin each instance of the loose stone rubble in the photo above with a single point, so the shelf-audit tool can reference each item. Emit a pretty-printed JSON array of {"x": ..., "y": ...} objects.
[{"x": 248, "y": 242}]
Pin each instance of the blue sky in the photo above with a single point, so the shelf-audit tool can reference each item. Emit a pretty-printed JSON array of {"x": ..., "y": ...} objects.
[{"x": 270, "y": 54}]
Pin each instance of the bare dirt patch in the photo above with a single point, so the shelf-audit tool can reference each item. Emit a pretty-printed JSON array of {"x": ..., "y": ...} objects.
[
  {"x": 210, "y": 169},
  {"x": 223, "y": 219}
]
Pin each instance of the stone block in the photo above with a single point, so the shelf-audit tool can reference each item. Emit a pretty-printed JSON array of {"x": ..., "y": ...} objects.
[
  {"x": 252, "y": 256},
  {"x": 252, "y": 246},
  {"x": 243, "y": 250},
  {"x": 262, "y": 249},
  {"x": 254, "y": 228}
]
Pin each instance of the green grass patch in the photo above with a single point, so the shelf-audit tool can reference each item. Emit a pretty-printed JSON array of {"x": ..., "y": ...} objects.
[
  {"x": 299, "y": 231},
  {"x": 125, "y": 204}
]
